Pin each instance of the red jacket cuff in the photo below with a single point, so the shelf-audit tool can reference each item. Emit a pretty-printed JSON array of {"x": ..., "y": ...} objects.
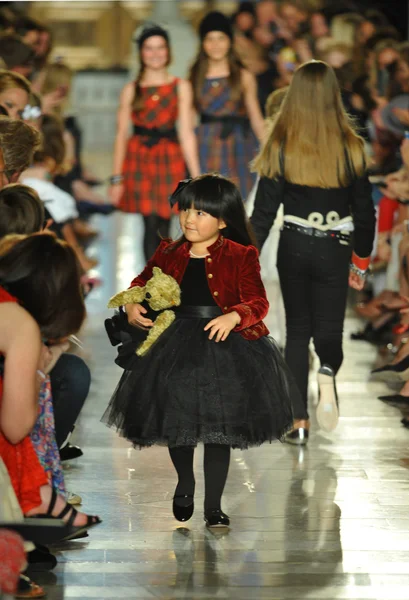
[{"x": 361, "y": 263}]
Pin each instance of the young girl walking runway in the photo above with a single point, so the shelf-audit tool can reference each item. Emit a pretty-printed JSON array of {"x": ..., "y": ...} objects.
[{"x": 214, "y": 376}]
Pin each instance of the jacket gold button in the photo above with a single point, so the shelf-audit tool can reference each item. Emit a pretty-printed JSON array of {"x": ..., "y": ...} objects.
[
  {"x": 215, "y": 293},
  {"x": 209, "y": 260},
  {"x": 225, "y": 308},
  {"x": 210, "y": 276}
]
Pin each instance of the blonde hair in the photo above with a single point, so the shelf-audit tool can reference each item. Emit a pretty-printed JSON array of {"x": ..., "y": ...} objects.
[
  {"x": 274, "y": 101},
  {"x": 343, "y": 27},
  {"x": 10, "y": 80},
  {"x": 314, "y": 133},
  {"x": 335, "y": 47},
  {"x": 57, "y": 75}
]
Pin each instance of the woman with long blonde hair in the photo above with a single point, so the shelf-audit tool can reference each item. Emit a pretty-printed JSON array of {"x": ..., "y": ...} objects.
[{"x": 312, "y": 161}]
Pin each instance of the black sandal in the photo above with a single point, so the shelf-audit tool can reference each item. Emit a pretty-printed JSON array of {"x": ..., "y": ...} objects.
[{"x": 76, "y": 531}]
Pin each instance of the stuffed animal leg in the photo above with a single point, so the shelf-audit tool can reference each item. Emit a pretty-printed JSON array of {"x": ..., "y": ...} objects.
[
  {"x": 162, "y": 322},
  {"x": 134, "y": 295}
]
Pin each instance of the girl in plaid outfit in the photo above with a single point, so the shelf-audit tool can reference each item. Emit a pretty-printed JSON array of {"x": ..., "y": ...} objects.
[
  {"x": 225, "y": 98},
  {"x": 148, "y": 165},
  {"x": 214, "y": 376}
]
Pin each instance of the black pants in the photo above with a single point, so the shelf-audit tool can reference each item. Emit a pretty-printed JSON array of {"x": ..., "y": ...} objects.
[
  {"x": 155, "y": 229},
  {"x": 70, "y": 382},
  {"x": 314, "y": 282}
]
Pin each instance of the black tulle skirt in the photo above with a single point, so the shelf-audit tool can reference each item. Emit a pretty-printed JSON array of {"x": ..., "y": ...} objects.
[{"x": 189, "y": 389}]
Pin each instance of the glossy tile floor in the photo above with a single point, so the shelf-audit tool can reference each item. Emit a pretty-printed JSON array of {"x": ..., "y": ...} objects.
[{"x": 327, "y": 522}]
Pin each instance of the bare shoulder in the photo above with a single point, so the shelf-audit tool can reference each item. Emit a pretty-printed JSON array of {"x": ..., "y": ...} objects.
[
  {"x": 16, "y": 322},
  {"x": 247, "y": 78},
  {"x": 184, "y": 86},
  {"x": 128, "y": 91}
]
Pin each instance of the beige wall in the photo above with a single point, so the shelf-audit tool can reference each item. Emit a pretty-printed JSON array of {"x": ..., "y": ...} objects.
[{"x": 98, "y": 34}]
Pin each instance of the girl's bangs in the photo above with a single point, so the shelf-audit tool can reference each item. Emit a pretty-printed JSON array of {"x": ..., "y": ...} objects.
[{"x": 190, "y": 198}]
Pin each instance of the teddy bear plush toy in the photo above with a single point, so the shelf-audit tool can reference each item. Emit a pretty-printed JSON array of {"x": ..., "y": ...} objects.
[{"x": 162, "y": 292}]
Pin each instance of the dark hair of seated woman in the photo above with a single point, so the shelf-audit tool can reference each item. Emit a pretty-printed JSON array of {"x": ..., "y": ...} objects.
[{"x": 42, "y": 272}]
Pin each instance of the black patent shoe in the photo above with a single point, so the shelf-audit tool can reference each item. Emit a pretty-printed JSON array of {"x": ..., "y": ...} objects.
[
  {"x": 396, "y": 372},
  {"x": 216, "y": 518},
  {"x": 183, "y": 513},
  {"x": 70, "y": 452},
  {"x": 395, "y": 400},
  {"x": 297, "y": 437}
]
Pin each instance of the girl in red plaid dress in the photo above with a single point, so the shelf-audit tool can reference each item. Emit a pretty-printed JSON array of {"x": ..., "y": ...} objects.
[{"x": 149, "y": 164}]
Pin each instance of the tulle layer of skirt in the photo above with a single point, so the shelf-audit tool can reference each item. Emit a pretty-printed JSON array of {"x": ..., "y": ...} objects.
[{"x": 189, "y": 389}]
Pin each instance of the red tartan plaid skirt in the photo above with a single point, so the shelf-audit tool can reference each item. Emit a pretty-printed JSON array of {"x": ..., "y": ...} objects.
[{"x": 150, "y": 176}]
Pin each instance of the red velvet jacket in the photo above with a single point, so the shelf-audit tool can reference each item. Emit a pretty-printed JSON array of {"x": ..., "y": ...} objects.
[{"x": 233, "y": 273}]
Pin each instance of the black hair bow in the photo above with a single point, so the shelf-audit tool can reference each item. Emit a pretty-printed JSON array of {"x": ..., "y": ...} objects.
[{"x": 173, "y": 198}]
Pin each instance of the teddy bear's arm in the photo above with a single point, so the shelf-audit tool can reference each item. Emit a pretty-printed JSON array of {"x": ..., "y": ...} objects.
[
  {"x": 162, "y": 322},
  {"x": 134, "y": 295}
]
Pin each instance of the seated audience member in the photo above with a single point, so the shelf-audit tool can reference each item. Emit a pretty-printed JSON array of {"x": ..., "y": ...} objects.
[
  {"x": 61, "y": 206},
  {"x": 18, "y": 142},
  {"x": 40, "y": 273},
  {"x": 58, "y": 78},
  {"x": 14, "y": 93},
  {"x": 22, "y": 212},
  {"x": 29, "y": 31},
  {"x": 17, "y": 56}
]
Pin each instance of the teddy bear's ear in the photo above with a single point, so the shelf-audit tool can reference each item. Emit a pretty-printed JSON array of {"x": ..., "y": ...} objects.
[
  {"x": 133, "y": 295},
  {"x": 157, "y": 271}
]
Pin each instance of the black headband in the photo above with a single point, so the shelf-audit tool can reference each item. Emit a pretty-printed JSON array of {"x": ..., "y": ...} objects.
[
  {"x": 150, "y": 31},
  {"x": 215, "y": 21}
]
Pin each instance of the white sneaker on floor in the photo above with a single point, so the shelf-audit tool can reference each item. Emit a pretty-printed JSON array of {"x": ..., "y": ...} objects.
[
  {"x": 74, "y": 499},
  {"x": 327, "y": 408}
]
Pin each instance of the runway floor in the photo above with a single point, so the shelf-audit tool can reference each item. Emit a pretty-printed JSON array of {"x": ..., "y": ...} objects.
[{"x": 329, "y": 522}]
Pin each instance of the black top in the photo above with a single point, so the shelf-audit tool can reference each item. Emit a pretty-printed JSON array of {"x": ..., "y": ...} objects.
[
  {"x": 332, "y": 204},
  {"x": 194, "y": 287}
]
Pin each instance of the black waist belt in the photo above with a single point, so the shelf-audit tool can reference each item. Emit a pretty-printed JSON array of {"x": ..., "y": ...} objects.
[
  {"x": 154, "y": 134},
  {"x": 228, "y": 123},
  {"x": 198, "y": 312},
  {"x": 314, "y": 232}
]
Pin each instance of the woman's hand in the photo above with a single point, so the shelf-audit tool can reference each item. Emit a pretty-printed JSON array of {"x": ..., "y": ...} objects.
[
  {"x": 356, "y": 282},
  {"x": 45, "y": 358},
  {"x": 404, "y": 151},
  {"x": 54, "y": 355},
  {"x": 402, "y": 114},
  {"x": 222, "y": 326},
  {"x": 405, "y": 310},
  {"x": 135, "y": 316},
  {"x": 115, "y": 192}
]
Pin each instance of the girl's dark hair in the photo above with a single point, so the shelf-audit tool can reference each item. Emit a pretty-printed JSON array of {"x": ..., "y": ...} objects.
[
  {"x": 198, "y": 71},
  {"x": 137, "y": 103},
  {"x": 53, "y": 145},
  {"x": 42, "y": 272},
  {"x": 220, "y": 198},
  {"x": 21, "y": 210}
]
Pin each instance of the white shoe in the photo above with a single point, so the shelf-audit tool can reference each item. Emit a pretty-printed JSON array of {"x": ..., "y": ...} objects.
[{"x": 327, "y": 408}]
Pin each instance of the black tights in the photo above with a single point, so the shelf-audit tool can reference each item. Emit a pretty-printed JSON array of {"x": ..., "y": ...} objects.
[
  {"x": 215, "y": 465},
  {"x": 155, "y": 229}
]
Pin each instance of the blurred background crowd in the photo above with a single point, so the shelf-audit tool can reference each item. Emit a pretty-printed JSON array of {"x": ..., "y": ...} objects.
[{"x": 367, "y": 45}]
